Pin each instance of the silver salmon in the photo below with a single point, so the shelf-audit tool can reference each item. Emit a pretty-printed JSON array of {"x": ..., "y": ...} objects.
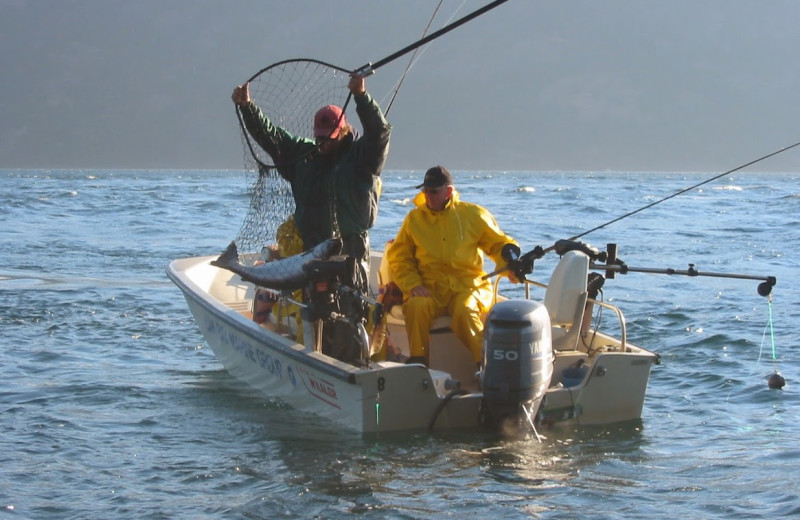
[{"x": 285, "y": 273}]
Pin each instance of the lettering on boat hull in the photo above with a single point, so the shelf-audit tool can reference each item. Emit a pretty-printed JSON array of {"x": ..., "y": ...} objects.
[{"x": 323, "y": 390}]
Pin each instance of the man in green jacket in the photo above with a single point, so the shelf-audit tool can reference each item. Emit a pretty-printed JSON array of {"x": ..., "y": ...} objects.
[{"x": 335, "y": 177}]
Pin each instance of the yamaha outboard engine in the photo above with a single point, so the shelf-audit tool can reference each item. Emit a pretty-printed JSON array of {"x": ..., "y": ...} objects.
[{"x": 517, "y": 362}]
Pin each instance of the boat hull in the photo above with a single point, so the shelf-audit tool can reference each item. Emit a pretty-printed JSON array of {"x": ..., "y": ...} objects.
[{"x": 388, "y": 396}]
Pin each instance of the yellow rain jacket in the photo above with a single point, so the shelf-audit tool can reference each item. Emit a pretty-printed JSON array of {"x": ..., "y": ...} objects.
[{"x": 443, "y": 250}]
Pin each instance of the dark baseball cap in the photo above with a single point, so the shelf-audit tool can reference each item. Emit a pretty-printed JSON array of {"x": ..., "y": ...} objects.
[{"x": 436, "y": 177}]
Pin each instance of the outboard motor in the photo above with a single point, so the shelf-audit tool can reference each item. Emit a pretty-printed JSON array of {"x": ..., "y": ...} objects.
[{"x": 517, "y": 362}]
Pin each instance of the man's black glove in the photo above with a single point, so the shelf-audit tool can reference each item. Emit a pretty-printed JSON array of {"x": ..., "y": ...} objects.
[{"x": 511, "y": 254}]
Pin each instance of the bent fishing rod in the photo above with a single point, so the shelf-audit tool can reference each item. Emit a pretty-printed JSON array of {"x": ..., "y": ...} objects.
[
  {"x": 524, "y": 263},
  {"x": 690, "y": 188}
]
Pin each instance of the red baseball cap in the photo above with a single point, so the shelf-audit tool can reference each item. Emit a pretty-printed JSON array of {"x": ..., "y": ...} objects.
[{"x": 328, "y": 121}]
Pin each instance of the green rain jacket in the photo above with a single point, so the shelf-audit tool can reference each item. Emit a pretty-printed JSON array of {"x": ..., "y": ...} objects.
[{"x": 348, "y": 182}]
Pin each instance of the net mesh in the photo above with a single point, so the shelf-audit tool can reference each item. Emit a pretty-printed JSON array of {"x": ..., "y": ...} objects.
[{"x": 289, "y": 93}]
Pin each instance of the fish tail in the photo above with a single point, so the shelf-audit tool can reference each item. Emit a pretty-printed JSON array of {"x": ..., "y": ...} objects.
[{"x": 228, "y": 258}]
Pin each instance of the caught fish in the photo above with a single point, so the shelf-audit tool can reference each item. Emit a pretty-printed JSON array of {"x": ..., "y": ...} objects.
[{"x": 285, "y": 273}]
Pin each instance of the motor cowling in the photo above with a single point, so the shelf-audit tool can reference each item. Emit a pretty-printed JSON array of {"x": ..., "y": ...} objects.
[{"x": 517, "y": 359}]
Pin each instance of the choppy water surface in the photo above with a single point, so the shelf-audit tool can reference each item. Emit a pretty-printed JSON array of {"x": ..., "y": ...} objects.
[{"x": 112, "y": 406}]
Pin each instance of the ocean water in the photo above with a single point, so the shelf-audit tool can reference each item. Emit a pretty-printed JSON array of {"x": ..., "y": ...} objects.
[{"x": 112, "y": 406}]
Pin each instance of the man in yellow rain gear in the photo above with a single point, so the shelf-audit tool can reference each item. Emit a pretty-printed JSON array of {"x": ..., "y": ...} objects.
[
  {"x": 437, "y": 262},
  {"x": 288, "y": 244}
]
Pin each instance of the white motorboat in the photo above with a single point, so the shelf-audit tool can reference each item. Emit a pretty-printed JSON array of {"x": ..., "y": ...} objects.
[{"x": 545, "y": 361}]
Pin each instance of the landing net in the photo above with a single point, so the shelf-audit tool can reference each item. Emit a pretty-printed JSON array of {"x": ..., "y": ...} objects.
[{"x": 289, "y": 93}]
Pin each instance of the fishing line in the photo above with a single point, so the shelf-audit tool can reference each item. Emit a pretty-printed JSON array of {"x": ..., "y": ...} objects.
[
  {"x": 411, "y": 60},
  {"x": 371, "y": 67},
  {"x": 771, "y": 330},
  {"x": 768, "y": 327},
  {"x": 775, "y": 380},
  {"x": 414, "y": 57}
]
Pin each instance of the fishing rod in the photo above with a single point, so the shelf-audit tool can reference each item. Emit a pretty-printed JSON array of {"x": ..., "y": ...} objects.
[
  {"x": 688, "y": 189},
  {"x": 524, "y": 263}
]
